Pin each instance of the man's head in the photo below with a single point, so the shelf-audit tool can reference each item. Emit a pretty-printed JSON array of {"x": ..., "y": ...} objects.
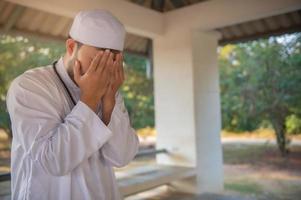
[{"x": 91, "y": 32}]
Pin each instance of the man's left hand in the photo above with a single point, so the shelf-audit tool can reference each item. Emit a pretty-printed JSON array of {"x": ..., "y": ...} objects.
[{"x": 117, "y": 79}]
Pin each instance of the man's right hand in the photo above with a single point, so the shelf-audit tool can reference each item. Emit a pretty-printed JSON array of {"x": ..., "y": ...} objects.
[{"x": 94, "y": 83}]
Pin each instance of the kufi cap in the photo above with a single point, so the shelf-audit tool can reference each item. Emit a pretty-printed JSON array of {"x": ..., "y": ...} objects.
[{"x": 98, "y": 28}]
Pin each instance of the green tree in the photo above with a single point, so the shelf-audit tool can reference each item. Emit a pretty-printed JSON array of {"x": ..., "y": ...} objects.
[
  {"x": 138, "y": 92},
  {"x": 261, "y": 81},
  {"x": 17, "y": 54}
]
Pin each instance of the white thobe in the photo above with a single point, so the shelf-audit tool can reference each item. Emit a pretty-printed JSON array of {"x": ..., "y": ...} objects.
[{"x": 61, "y": 152}]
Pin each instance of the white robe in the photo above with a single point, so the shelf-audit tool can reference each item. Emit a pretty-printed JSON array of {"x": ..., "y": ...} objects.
[{"x": 59, "y": 152}]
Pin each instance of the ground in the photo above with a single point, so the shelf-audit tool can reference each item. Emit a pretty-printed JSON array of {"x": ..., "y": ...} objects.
[
  {"x": 259, "y": 170},
  {"x": 253, "y": 169}
]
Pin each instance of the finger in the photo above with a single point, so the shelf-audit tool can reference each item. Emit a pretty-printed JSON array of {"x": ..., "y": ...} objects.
[
  {"x": 116, "y": 77},
  {"x": 103, "y": 61},
  {"x": 118, "y": 57},
  {"x": 113, "y": 72},
  {"x": 112, "y": 76},
  {"x": 108, "y": 71},
  {"x": 115, "y": 66},
  {"x": 76, "y": 71},
  {"x": 121, "y": 57},
  {"x": 122, "y": 73},
  {"x": 118, "y": 70},
  {"x": 94, "y": 64},
  {"x": 107, "y": 84},
  {"x": 121, "y": 67},
  {"x": 109, "y": 64}
]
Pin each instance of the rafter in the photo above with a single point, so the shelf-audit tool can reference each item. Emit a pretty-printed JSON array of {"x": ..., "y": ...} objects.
[{"x": 14, "y": 16}]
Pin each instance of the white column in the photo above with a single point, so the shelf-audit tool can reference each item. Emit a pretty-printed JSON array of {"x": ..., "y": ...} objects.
[
  {"x": 188, "y": 106},
  {"x": 207, "y": 112}
]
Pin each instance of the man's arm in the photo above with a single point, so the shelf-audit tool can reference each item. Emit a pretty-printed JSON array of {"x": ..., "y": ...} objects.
[
  {"x": 58, "y": 145},
  {"x": 123, "y": 145}
]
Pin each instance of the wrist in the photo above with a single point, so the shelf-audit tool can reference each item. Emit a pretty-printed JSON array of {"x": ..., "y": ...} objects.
[
  {"x": 108, "y": 102},
  {"x": 92, "y": 103},
  {"x": 106, "y": 116},
  {"x": 108, "y": 108}
]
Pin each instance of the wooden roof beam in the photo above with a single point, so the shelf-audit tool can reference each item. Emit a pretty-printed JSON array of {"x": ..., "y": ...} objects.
[
  {"x": 13, "y": 18},
  {"x": 280, "y": 31},
  {"x": 137, "y": 19},
  {"x": 214, "y": 14}
]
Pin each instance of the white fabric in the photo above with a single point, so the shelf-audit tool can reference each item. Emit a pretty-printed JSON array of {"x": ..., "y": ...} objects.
[
  {"x": 59, "y": 152},
  {"x": 98, "y": 28}
]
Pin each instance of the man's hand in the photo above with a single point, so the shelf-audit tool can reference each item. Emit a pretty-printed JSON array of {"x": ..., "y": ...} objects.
[
  {"x": 94, "y": 83},
  {"x": 117, "y": 78}
]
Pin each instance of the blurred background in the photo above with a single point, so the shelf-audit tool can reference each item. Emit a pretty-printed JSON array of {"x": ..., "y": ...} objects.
[{"x": 260, "y": 98}]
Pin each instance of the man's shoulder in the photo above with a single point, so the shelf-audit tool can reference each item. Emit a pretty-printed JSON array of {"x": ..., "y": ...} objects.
[
  {"x": 32, "y": 79},
  {"x": 43, "y": 73},
  {"x": 36, "y": 87},
  {"x": 38, "y": 73}
]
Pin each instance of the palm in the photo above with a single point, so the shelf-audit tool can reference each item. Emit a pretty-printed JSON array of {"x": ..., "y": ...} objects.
[{"x": 117, "y": 78}]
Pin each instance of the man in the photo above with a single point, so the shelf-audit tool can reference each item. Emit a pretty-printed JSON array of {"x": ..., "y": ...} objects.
[{"x": 69, "y": 123}]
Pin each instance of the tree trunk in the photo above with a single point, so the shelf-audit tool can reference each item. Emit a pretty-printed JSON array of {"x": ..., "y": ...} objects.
[{"x": 280, "y": 131}]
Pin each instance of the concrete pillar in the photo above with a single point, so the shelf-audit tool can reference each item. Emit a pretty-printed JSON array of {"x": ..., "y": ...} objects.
[
  {"x": 207, "y": 112},
  {"x": 187, "y": 103}
]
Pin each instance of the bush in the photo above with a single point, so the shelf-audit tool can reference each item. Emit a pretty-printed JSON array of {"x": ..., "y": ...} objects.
[{"x": 293, "y": 125}]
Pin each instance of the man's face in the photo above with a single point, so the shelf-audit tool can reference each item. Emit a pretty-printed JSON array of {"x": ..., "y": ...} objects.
[{"x": 87, "y": 53}]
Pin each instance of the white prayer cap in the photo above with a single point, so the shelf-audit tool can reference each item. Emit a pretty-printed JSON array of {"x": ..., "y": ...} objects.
[{"x": 98, "y": 28}]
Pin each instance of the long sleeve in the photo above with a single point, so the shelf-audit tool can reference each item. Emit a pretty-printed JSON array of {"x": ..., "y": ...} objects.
[
  {"x": 124, "y": 144},
  {"x": 57, "y": 143}
]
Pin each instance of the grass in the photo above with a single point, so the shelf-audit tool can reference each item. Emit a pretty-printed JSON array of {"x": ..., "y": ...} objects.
[
  {"x": 263, "y": 133},
  {"x": 262, "y": 155},
  {"x": 259, "y": 170},
  {"x": 243, "y": 186},
  {"x": 238, "y": 154}
]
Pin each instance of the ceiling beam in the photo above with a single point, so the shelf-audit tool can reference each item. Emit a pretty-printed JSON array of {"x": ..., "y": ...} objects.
[
  {"x": 158, "y": 5},
  {"x": 169, "y": 5},
  {"x": 280, "y": 31},
  {"x": 210, "y": 15},
  {"x": 178, "y": 3},
  {"x": 13, "y": 18},
  {"x": 137, "y": 19}
]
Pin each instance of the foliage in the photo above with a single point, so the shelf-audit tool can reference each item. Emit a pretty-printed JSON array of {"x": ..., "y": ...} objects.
[
  {"x": 138, "y": 92},
  {"x": 261, "y": 81},
  {"x": 17, "y": 54},
  {"x": 293, "y": 124}
]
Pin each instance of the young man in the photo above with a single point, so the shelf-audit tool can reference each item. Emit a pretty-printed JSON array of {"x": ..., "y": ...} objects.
[{"x": 69, "y": 123}]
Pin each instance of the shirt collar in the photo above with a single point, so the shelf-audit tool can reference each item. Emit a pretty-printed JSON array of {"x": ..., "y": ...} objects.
[{"x": 62, "y": 70}]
